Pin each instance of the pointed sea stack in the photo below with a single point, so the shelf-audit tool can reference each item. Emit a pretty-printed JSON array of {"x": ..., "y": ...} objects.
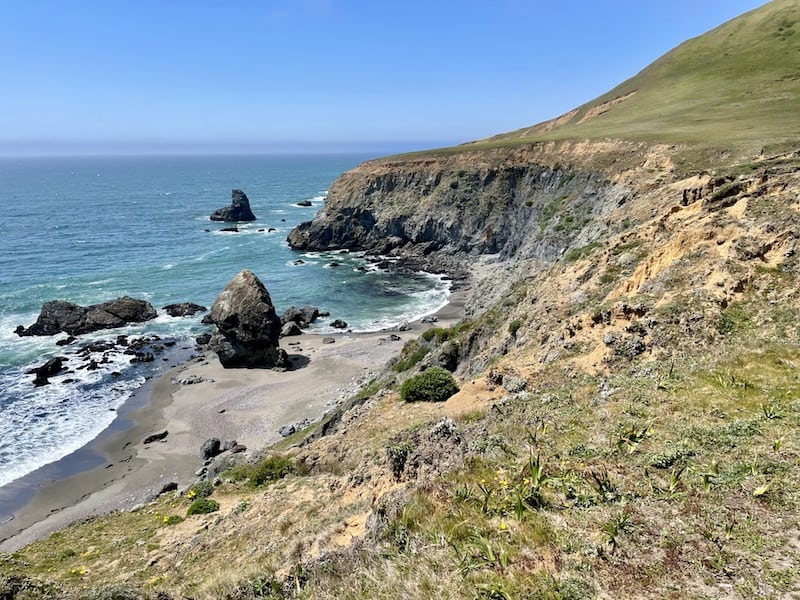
[{"x": 239, "y": 210}]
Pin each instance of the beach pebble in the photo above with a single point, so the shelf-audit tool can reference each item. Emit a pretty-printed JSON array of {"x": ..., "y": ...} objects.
[
  {"x": 403, "y": 327},
  {"x": 286, "y": 430},
  {"x": 328, "y": 340}
]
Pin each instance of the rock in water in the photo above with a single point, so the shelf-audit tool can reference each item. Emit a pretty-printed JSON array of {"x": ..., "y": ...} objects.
[
  {"x": 184, "y": 309},
  {"x": 239, "y": 210},
  {"x": 247, "y": 328},
  {"x": 57, "y": 316}
]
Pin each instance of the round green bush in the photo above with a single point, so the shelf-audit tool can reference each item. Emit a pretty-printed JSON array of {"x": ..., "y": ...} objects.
[
  {"x": 202, "y": 506},
  {"x": 432, "y": 385}
]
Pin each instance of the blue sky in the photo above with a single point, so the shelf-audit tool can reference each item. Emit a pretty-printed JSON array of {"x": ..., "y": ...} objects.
[{"x": 88, "y": 76}]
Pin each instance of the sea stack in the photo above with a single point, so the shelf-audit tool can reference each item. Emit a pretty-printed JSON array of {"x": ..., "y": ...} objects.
[
  {"x": 247, "y": 327},
  {"x": 239, "y": 210}
]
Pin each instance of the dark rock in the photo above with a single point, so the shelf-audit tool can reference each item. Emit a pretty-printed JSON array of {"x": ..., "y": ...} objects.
[
  {"x": 203, "y": 339},
  {"x": 304, "y": 203},
  {"x": 238, "y": 448},
  {"x": 299, "y": 262},
  {"x": 239, "y": 210},
  {"x": 394, "y": 338},
  {"x": 168, "y": 487},
  {"x": 403, "y": 327},
  {"x": 66, "y": 341},
  {"x": 291, "y": 328},
  {"x": 271, "y": 229},
  {"x": 231, "y": 229},
  {"x": 247, "y": 328},
  {"x": 302, "y": 316},
  {"x": 328, "y": 340},
  {"x": 262, "y": 230},
  {"x": 184, "y": 309},
  {"x": 210, "y": 448},
  {"x": 52, "y": 367},
  {"x": 59, "y": 316},
  {"x": 430, "y": 319},
  {"x": 228, "y": 445},
  {"x": 143, "y": 357},
  {"x": 156, "y": 437},
  {"x": 339, "y": 324},
  {"x": 286, "y": 430}
]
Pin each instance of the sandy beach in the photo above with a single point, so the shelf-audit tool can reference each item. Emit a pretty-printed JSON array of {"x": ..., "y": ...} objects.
[{"x": 118, "y": 471}]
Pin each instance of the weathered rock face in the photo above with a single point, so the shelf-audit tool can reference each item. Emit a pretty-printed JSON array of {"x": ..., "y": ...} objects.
[
  {"x": 59, "y": 316},
  {"x": 247, "y": 327},
  {"x": 239, "y": 210},
  {"x": 441, "y": 210}
]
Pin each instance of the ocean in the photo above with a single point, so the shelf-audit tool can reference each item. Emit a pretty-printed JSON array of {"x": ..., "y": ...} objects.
[{"x": 87, "y": 230}]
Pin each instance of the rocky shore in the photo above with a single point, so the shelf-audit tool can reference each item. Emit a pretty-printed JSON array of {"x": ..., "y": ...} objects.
[{"x": 193, "y": 402}]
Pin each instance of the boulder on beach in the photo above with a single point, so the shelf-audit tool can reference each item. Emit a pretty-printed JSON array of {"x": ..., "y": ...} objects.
[
  {"x": 239, "y": 210},
  {"x": 291, "y": 328},
  {"x": 339, "y": 324},
  {"x": 59, "y": 316},
  {"x": 246, "y": 325},
  {"x": 304, "y": 316},
  {"x": 184, "y": 309}
]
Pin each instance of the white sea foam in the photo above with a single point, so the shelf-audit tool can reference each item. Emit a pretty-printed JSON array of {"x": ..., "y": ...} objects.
[{"x": 58, "y": 418}]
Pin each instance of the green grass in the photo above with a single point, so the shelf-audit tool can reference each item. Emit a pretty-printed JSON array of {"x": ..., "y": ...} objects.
[{"x": 737, "y": 85}]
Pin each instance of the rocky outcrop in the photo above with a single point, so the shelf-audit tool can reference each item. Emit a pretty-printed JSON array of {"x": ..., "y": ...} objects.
[
  {"x": 239, "y": 210},
  {"x": 441, "y": 210},
  {"x": 246, "y": 326},
  {"x": 59, "y": 316},
  {"x": 184, "y": 309},
  {"x": 52, "y": 367},
  {"x": 304, "y": 316}
]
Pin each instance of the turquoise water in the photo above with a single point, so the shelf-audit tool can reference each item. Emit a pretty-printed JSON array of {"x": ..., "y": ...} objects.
[{"x": 88, "y": 230}]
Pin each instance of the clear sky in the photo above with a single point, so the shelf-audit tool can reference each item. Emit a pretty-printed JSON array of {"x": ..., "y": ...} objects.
[{"x": 132, "y": 76}]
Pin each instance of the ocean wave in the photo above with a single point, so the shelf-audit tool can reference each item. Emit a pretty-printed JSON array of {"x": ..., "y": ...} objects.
[{"x": 61, "y": 417}]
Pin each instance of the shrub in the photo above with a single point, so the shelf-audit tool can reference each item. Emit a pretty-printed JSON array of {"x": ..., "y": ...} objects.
[
  {"x": 267, "y": 470},
  {"x": 432, "y": 385},
  {"x": 440, "y": 334},
  {"x": 201, "y": 489},
  {"x": 202, "y": 506},
  {"x": 514, "y": 326},
  {"x": 412, "y": 354},
  {"x": 172, "y": 520}
]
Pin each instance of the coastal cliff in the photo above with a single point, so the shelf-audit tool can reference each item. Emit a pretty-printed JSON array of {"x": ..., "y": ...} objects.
[
  {"x": 628, "y": 365},
  {"x": 442, "y": 211}
]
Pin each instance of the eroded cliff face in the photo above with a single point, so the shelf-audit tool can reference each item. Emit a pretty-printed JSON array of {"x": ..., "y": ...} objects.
[{"x": 441, "y": 211}]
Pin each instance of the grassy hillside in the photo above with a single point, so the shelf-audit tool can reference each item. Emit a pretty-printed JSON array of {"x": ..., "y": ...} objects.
[
  {"x": 735, "y": 85},
  {"x": 626, "y": 423}
]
